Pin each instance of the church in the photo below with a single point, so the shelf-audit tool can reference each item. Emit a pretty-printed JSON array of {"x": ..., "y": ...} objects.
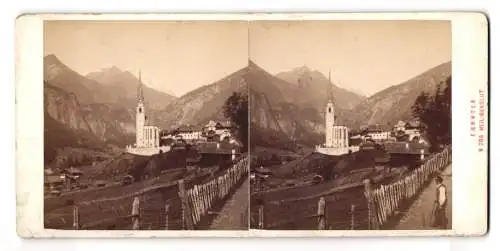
[
  {"x": 336, "y": 136},
  {"x": 147, "y": 137}
]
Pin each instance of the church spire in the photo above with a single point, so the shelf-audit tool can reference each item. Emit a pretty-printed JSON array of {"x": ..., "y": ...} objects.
[
  {"x": 140, "y": 94},
  {"x": 329, "y": 89}
]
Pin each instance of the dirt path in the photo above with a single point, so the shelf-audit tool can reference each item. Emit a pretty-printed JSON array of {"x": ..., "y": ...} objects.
[
  {"x": 418, "y": 216},
  {"x": 234, "y": 214}
]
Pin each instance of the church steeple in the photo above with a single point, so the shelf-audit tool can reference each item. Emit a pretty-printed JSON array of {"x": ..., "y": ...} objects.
[
  {"x": 140, "y": 116},
  {"x": 329, "y": 88},
  {"x": 140, "y": 94}
]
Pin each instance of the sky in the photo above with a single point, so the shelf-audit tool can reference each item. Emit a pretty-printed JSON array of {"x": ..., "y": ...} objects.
[
  {"x": 178, "y": 57},
  {"x": 173, "y": 57},
  {"x": 363, "y": 56}
]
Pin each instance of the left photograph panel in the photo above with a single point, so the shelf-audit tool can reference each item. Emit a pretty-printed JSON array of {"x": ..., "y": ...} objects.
[{"x": 145, "y": 125}]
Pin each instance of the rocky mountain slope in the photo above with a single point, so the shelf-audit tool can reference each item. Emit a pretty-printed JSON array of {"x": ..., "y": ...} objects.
[
  {"x": 124, "y": 85},
  {"x": 111, "y": 85},
  {"x": 79, "y": 113},
  {"x": 278, "y": 112},
  {"x": 99, "y": 108},
  {"x": 59, "y": 75},
  {"x": 279, "y": 109},
  {"x": 390, "y": 105},
  {"x": 202, "y": 104},
  {"x": 296, "y": 114},
  {"x": 296, "y": 108},
  {"x": 294, "y": 103},
  {"x": 106, "y": 123},
  {"x": 312, "y": 87}
]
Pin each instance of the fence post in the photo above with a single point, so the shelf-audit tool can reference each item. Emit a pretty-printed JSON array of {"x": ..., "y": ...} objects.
[
  {"x": 135, "y": 213},
  {"x": 167, "y": 207},
  {"x": 353, "y": 208},
  {"x": 187, "y": 220},
  {"x": 321, "y": 214},
  {"x": 261, "y": 216},
  {"x": 369, "y": 199},
  {"x": 76, "y": 218}
]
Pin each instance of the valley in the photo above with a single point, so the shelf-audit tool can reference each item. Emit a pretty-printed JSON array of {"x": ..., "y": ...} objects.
[{"x": 90, "y": 119}]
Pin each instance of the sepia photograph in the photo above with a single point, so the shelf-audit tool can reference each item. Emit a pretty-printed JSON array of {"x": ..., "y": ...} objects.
[
  {"x": 350, "y": 125},
  {"x": 145, "y": 125}
]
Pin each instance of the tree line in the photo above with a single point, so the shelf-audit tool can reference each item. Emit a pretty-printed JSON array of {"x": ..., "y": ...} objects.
[
  {"x": 236, "y": 109},
  {"x": 434, "y": 112}
]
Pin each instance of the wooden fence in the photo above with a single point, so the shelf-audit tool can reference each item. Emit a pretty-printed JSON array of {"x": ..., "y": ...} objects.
[
  {"x": 354, "y": 206},
  {"x": 200, "y": 199},
  {"x": 386, "y": 200},
  {"x": 180, "y": 205}
]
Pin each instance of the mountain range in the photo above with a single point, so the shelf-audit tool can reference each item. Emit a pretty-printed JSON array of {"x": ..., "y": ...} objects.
[
  {"x": 124, "y": 87},
  {"x": 203, "y": 104},
  {"x": 98, "y": 109},
  {"x": 312, "y": 88},
  {"x": 388, "y": 106},
  {"x": 286, "y": 106},
  {"x": 297, "y": 100},
  {"x": 275, "y": 103},
  {"x": 91, "y": 112}
]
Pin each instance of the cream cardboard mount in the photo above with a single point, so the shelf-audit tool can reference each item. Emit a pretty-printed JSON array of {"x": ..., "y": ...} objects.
[{"x": 265, "y": 133}]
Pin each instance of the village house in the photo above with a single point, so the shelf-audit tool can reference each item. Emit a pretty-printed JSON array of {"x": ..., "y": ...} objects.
[
  {"x": 400, "y": 126},
  {"x": 410, "y": 130},
  {"x": 212, "y": 131},
  {"x": 54, "y": 184},
  {"x": 72, "y": 177},
  {"x": 188, "y": 132},
  {"x": 376, "y": 134},
  {"x": 215, "y": 152},
  {"x": 66, "y": 180},
  {"x": 406, "y": 153},
  {"x": 217, "y": 129},
  {"x": 413, "y": 129},
  {"x": 379, "y": 136},
  {"x": 217, "y": 126}
]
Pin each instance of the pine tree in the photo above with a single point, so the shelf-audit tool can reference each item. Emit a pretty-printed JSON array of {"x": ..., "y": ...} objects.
[
  {"x": 434, "y": 112},
  {"x": 236, "y": 109}
]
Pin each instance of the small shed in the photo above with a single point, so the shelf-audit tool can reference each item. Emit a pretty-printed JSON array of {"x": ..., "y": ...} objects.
[
  {"x": 100, "y": 183},
  {"x": 406, "y": 153},
  {"x": 213, "y": 152},
  {"x": 410, "y": 148},
  {"x": 73, "y": 171},
  {"x": 54, "y": 182},
  {"x": 127, "y": 180}
]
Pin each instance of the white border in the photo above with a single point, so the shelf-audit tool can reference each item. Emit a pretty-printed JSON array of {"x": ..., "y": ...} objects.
[{"x": 469, "y": 68}]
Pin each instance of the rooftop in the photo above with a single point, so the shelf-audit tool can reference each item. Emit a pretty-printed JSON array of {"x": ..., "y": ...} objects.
[
  {"x": 53, "y": 179},
  {"x": 219, "y": 125},
  {"x": 74, "y": 170},
  {"x": 186, "y": 128},
  {"x": 406, "y": 147},
  {"x": 211, "y": 147},
  {"x": 413, "y": 124}
]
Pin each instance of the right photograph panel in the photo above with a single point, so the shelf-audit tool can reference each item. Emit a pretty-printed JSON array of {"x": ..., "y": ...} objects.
[{"x": 350, "y": 125}]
